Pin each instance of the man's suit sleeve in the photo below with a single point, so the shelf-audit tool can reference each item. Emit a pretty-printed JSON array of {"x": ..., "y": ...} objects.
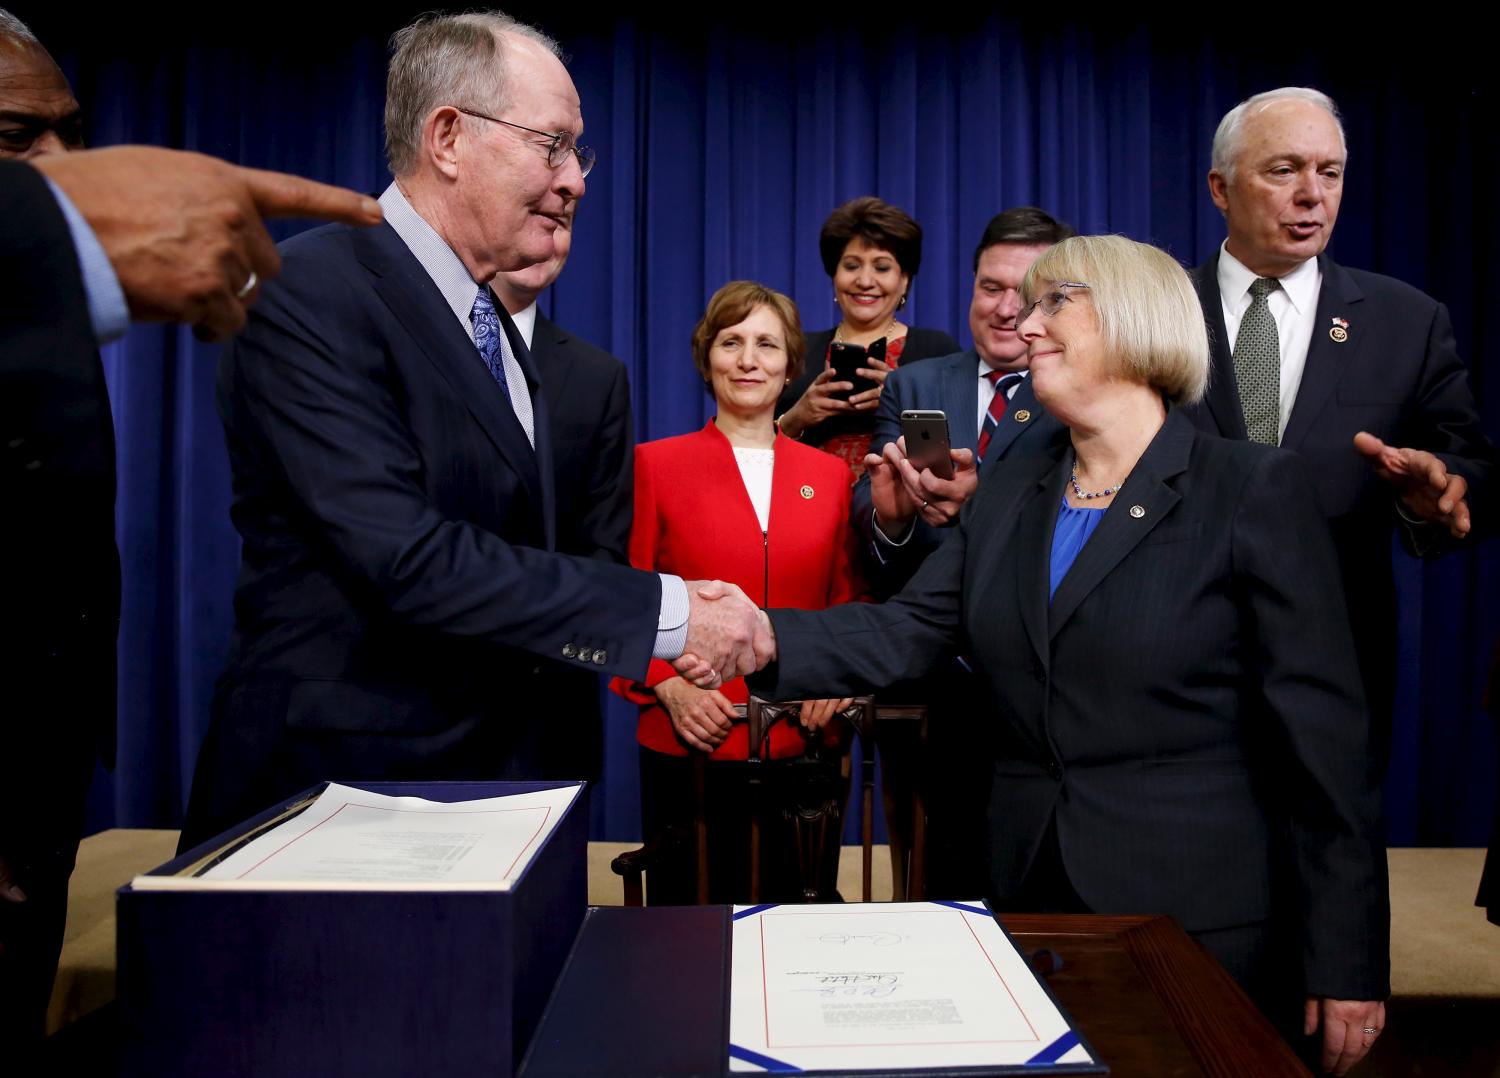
[
  {"x": 313, "y": 379},
  {"x": 1444, "y": 420},
  {"x": 1302, "y": 658},
  {"x": 645, "y": 531},
  {"x": 887, "y": 567}
]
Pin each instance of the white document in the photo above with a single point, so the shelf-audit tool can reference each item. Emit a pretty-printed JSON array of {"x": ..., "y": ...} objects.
[
  {"x": 353, "y": 839},
  {"x": 883, "y": 986}
]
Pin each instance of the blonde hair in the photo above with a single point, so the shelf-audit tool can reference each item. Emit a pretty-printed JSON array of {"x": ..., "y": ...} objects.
[{"x": 1148, "y": 311}]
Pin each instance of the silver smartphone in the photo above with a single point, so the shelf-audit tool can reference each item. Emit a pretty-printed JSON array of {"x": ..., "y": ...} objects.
[{"x": 926, "y": 433}]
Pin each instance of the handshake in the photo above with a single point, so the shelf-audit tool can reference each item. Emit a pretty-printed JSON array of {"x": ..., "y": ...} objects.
[{"x": 728, "y": 635}]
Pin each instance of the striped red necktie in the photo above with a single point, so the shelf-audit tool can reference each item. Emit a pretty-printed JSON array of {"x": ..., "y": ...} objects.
[{"x": 1002, "y": 381}]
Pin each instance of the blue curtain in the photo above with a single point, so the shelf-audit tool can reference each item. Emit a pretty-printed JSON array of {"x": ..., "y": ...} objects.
[{"x": 722, "y": 148}]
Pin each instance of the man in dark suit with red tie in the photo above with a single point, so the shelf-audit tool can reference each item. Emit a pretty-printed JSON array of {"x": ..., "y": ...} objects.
[
  {"x": 1358, "y": 373},
  {"x": 992, "y": 415}
]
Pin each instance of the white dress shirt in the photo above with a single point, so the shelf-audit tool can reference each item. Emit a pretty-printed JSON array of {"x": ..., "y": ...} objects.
[
  {"x": 1294, "y": 306},
  {"x": 525, "y": 320}
]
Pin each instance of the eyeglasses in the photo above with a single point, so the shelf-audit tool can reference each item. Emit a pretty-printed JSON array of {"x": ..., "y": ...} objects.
[
  {"x": 1051, "y": 301},
  {"x": 559, "y": 144}
]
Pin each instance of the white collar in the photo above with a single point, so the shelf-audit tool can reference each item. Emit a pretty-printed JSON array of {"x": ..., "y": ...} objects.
[
  {"x": 525, "y": 320},
  {"x": 440, "y": 261},
  {"x": 1300, "y": 286}
]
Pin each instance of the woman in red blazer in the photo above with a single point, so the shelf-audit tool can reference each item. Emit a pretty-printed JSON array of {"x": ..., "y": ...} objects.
[{"x": 735, "y": 501}]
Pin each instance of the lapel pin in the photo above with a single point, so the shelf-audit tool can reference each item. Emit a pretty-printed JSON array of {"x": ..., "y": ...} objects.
[
  {"x": 1137, "y": 511},
  {"x": 806, "y": 492},
  {"x": 1022, "y": 415},
  {"x": 1340, "y": 331}
]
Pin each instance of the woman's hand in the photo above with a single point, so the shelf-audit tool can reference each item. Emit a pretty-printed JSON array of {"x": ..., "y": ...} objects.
[
  {"x": 816, "y": 404},
  {"x": 816, "y": 713},
  {"x": 701, "y": 717},
  {"x": 876, "y": 370}
]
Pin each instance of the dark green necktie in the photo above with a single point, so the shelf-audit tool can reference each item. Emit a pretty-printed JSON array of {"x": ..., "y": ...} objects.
[{"x": 1257, "y": 365}]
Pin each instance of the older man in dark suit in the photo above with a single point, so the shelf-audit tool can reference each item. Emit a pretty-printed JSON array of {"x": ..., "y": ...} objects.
[
  {"x": 592, "y": 463},
  {"x": 1356, "y": 372},
  {"x": 402, "y": 610}
]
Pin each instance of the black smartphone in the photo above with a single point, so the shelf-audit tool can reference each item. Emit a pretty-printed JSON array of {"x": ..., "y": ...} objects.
[
  {"x": 848, "y": 358},
  {"x": 926, "y": 433}
]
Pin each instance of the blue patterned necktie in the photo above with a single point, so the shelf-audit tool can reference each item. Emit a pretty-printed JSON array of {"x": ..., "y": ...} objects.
[{"x": 489, "y": 338}]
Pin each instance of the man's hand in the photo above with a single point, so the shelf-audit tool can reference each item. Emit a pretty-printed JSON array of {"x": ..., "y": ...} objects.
[
  {"x": 1422, "y": 481},
  {"x": 728, "y": 637},
  {"x": 183, "y": 231},
  {"x": 1344, "y": 1023},
  {"x": 9, "y": 890},
  {"x": 701, "y": 717},
  {"x": 816, "y": 404},
  {"x": 939, "y": 499},
  {"x": 894, "y": 506}
]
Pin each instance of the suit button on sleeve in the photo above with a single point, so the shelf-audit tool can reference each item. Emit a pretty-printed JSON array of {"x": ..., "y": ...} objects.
[
  {"x": 569, "y": 651},
  {"x": 585, "y": 655},
  {"x": 600, "y": 658}
]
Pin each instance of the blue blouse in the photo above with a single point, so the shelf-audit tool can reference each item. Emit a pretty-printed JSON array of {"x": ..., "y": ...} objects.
[{"x": 1074, "y": 526}]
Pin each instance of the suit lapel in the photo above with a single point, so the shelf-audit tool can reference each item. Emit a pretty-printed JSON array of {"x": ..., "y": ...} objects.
[
  {"x": 1023, "y": 402},
  {"x": 1122, "y": 529},
  {"x": 541, "y": 422},
  {"x": 405, "y": 287},
  {"x": 1032, "y": 554},
  {"x": 1326, "y": 359},
  {"x": 1223, "y": 397}
]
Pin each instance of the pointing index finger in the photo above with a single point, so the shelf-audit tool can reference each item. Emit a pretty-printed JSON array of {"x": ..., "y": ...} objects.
[{"x": 280, "y": 194}]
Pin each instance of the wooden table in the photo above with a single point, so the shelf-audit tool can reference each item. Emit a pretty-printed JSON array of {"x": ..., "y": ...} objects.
[{"x": 1151, "y": 1001}]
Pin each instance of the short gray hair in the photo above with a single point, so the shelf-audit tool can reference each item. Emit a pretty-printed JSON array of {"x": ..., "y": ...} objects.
[
  {"x": 14, "y": 28},
  {"x": 1148, "y": 311},
  {"x": 1228, "y": 137},
  {"x": 446, "y": 60}
]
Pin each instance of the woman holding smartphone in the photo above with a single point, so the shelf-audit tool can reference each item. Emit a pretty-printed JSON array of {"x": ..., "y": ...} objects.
[
  {"x": 735, "y": 501},
  {"x": 871, "y": 250}
]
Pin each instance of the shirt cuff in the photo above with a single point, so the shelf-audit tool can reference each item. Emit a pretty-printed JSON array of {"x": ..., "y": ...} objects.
[
  {"x": 672, "y": 621},
  {"x": 108, "y": 311},
  {"x": 884, "y": 540}
]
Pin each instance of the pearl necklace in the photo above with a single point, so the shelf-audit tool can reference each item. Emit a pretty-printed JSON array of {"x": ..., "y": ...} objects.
[{"x": 1086, "y": 494}]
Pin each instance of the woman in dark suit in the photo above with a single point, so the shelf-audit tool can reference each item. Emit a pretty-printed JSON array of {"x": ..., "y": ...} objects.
[
  {"x": 871, "y": 250},
  {"x": 735, "y": 501},
  {"x": 1179, "y": 721}
]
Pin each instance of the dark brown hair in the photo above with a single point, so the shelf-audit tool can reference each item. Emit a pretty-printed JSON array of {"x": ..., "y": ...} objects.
[{"x": 879, "y": 224}]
